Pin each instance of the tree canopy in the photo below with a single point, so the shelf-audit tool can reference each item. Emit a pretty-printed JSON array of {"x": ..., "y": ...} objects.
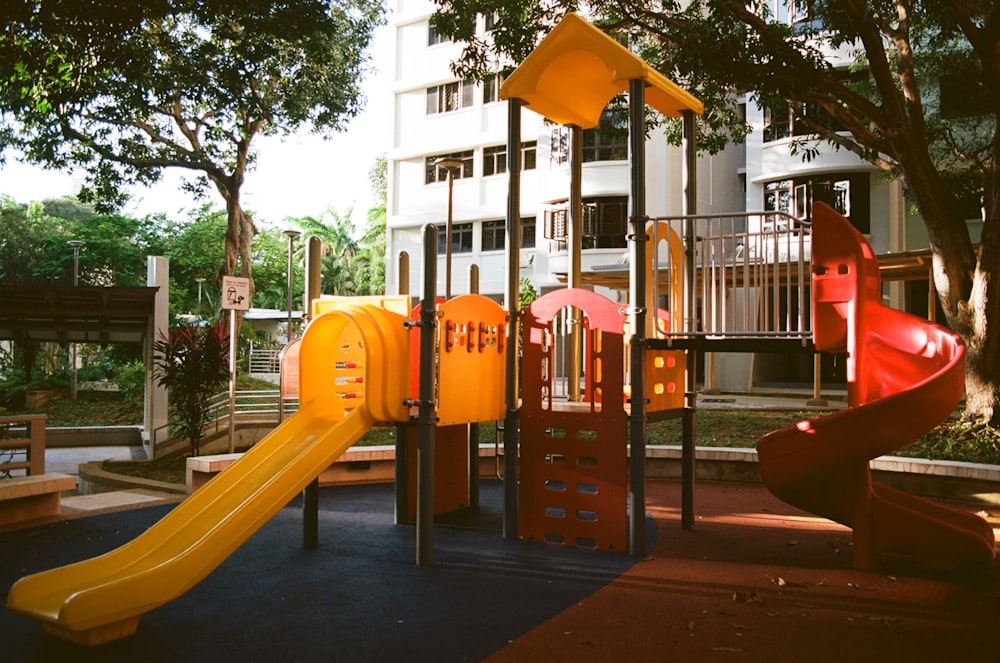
[
  {"x": 124, "y": 90},
  {"x": 919, "y": 98}
]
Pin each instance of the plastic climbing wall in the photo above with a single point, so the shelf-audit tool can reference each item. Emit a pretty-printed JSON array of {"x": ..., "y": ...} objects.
[{"x": 573, "y": 481}]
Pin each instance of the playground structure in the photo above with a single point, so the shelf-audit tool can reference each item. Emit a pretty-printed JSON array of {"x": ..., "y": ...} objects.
[{"x": 570, "y": 478}]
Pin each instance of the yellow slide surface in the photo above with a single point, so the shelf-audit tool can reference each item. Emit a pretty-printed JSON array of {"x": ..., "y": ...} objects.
[{"x": 101, "y": 599}]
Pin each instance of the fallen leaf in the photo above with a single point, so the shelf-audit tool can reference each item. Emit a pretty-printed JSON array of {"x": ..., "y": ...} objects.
[
  {"x": 691, "y": 626},
  {"x": 741, "y": 627},
  {"x": 749, "y": 598},
  {"x": 734, "y": 650}
]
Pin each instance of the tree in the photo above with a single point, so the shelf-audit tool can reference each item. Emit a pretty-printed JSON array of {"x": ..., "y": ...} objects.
[
  {"x": 370, "y": 263},
  {"x": 893, "y": 110},
  {"x": 193, "y": 363},
  {"x": 335, "y": 230},
  {"x": 125, "y": 90}
]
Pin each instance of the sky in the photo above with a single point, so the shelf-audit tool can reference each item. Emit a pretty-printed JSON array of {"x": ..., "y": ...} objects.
[{"x": 299, "y": 175}]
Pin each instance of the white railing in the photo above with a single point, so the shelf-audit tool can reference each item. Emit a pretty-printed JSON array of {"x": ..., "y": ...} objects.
[
  {"x": 259, "y": 406},
  {"x": 264, "y": 361},
  {"x": 750, "y": 272}
]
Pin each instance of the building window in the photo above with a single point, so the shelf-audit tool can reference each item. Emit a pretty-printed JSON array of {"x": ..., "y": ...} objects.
[
  {"x": 604, "y": 223},
  {"x": 434, "y": 37},
  {"x": 434, "y": 173},
  {"x": 558, "y": 146},
  {"x": 491, "y": 88},
  {"x": 449, "y": 97},
  {"x": 461, "y": 238},
  {"x": 489, "y": 21},
  {"x": 493, "y": 235},
  {"x": 608, "y": 141},
  {"x": 848, "y": 193},
  {"x": 495, "y": 158},
  {"x": 528, "y": 232}
]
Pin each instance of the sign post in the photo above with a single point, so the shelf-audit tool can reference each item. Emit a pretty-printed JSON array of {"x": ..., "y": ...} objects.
[{"x": 235, "y": 297}]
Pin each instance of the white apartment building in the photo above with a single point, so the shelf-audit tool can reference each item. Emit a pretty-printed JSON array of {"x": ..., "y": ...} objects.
[{"x": 436, "y": 116}]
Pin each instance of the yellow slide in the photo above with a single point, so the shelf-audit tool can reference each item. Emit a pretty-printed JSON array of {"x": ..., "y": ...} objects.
[{"x": 101, "y": 599}]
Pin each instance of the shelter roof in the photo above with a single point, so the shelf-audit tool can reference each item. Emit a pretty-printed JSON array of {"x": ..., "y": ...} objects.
[
  {"x": 80, "y": 314},
  {"x": 577, "y": 69}
]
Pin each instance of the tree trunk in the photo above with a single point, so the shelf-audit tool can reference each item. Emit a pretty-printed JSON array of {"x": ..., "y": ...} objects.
[
  {"x": 966, "y": 284},
  {"x": 982, "y": 382}
]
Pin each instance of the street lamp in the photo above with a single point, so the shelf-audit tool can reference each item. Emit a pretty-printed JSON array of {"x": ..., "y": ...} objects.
[
  {"x": 76, "y": 244},
  {"x": 449, "y": 164},
  {"x": 199, "y": 280},
  {"x": 291, "y": 235}
]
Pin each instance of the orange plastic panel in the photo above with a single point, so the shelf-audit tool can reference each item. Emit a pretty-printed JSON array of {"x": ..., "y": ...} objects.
[
  {"x": 451, "y": 469},
  {"x": 573, "y": 466},
  {"x": 472, "y": 347}
]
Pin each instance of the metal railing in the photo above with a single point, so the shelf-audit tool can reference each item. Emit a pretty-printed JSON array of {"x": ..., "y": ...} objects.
[
  {"x": 750, "y": 273},
  {"x": 250, "y": 406},
  {"x": 264, "y": 361}
]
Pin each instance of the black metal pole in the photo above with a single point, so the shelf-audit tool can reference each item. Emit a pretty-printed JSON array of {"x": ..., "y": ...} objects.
[
  {"x": 637, "y": 269},
  {"x": 402, "y": 485},
  {"x": 690, "y": 324},
  {"x": 310, "y": 291},
  {"x": 473, "y": 430},
  {"x": 512, "y": 296},
  {"x": 425, "y": 418}
]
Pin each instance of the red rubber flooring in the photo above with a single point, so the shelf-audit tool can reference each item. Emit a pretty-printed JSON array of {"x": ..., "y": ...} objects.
[{"x": 758, "y": 580}]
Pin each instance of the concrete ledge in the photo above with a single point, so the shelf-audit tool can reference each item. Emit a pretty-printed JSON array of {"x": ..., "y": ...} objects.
[
  {"x": 935, "y": 479},
  {"x": 32, "y": 497},
  {"x": 93, "y": 436},
  {"x": 92, "y": 479}
]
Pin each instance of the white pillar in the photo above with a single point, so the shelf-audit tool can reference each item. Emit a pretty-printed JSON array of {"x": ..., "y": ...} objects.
[{"x": 155, "y": 402}]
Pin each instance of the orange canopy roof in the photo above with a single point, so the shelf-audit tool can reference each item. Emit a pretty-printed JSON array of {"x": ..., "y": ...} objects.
[{"x": 577, "y": 69}]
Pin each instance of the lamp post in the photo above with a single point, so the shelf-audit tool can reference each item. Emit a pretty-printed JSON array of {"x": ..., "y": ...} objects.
[
  {"x": 449, "y": 164},
  {"x": 76, "y": 244},
  {"x": 199, "y": 280},
  {"x": 291, "y": 235}
]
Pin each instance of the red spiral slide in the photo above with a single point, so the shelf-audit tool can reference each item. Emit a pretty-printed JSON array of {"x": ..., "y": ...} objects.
[{"x": 905, "y": 375}]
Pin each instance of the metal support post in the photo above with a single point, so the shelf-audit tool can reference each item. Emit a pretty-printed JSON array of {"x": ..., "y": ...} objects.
[
  {"x": 426, "y": 418},
  {"x": 637, "y": 280},
  {"x": 512, "y": 296}
]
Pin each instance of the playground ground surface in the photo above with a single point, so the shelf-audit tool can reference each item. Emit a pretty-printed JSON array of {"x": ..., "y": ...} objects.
[{"x": 754, "y": 580}]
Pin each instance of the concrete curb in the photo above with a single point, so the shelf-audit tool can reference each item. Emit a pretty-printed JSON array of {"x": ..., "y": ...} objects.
[{"x": 968, "y": 482}]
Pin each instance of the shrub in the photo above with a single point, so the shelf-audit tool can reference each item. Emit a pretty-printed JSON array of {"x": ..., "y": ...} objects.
[
  {"x": 132, "y": 381},
  {"x": 192, "y": 363}
]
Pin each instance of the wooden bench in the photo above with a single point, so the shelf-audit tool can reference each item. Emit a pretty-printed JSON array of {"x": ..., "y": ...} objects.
[{"x": 32, "y": 497}]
